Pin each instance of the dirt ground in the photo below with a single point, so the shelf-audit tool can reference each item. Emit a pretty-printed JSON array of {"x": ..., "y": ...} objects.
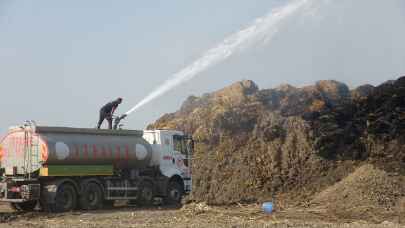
[{"x": 192, "y": 215}]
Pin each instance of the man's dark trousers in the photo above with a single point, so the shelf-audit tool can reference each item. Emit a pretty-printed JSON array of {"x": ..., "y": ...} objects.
[{"x": 107, "y": 116}]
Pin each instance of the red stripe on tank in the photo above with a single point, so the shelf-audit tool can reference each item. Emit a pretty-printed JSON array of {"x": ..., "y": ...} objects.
[
  {"x": 126, "y": 152},
  {"x": 117, "y": 152},
  {"x": 103, "y": 151},
  {"x": 95, "y": 151},
  {"x": 85, "y": 151}
]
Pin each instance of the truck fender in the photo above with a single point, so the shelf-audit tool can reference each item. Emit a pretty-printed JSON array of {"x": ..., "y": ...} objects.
[{"x": 169, "y": 172}]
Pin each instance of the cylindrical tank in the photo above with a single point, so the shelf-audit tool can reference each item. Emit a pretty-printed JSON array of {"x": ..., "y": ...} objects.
[{"x": 29, "y": 150}]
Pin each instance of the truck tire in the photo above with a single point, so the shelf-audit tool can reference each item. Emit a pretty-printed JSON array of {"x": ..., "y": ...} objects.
[
  {"x": 65, "y": 200},
  {"x": 25, "y": 206},
  {"x": 145, "y": 195},
  {"x": 92, "y": 197},
  {"x": 174, "y": 193}
]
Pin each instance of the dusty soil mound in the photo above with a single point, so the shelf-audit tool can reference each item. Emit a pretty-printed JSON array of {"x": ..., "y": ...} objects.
[{"x": 366, "y": 192}]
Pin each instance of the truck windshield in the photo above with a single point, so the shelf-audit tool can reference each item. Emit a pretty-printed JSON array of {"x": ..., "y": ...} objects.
[
  {"x": 179, "y": 144},
  {"x": 183, "y": 144}
]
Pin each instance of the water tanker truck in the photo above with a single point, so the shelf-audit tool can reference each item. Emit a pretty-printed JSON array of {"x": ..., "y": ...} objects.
[{"x": 64, "y": 169}]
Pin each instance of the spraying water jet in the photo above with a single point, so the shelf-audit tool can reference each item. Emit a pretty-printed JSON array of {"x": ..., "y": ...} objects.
[{"x": 263, "y": 28}]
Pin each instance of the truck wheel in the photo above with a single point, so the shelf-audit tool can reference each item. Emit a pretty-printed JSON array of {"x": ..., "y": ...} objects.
[
  {"x": 92, "y": 197},
  {"x": 66, "y": 199},
  {"x": 145, "y": 195},
  {"x": 174, "y": 193},
  {"x": 25, "y": 206}
]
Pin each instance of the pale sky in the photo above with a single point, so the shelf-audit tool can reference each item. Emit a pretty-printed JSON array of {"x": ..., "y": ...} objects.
[{"x": 60, "y": 61}]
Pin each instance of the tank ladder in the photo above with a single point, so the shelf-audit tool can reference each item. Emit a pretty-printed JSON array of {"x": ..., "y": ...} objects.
[{"x": 31, "y": 148}]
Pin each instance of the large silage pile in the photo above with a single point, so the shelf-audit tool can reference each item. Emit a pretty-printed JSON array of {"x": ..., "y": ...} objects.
[
  {"x": 365, "y": 193},
  {"x": 288, "y": 144}
]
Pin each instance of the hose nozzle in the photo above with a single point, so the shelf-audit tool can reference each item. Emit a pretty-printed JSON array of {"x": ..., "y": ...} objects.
[{"x": 118, "y": 120}]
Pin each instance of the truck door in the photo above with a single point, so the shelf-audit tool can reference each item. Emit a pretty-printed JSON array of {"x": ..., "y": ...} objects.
[
  {"x": 183, "y": 154},
  {"x": 183, "y": 147}
]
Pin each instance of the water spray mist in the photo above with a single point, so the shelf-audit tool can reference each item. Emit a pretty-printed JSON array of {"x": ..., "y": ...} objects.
[{"x": 262, "y": 29}]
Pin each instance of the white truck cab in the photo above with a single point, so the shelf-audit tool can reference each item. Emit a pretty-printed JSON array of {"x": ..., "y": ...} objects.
[{"x": 174, "y": 154}]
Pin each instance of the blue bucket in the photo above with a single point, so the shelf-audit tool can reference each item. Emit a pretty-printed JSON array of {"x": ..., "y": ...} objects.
[{"x": 267, "y": 207}]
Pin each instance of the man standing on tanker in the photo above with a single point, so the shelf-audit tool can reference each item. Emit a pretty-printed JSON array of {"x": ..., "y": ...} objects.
[{"x": 107, "y": 111}]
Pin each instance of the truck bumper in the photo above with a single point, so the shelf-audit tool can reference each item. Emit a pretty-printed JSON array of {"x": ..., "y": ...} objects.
[
  {"x": 17, "y": 192},
  {"x": 187, "y": 185}
]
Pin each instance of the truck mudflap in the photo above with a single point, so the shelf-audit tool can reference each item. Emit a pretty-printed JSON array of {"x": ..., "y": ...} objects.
[{"x": 19, "y": 191}]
